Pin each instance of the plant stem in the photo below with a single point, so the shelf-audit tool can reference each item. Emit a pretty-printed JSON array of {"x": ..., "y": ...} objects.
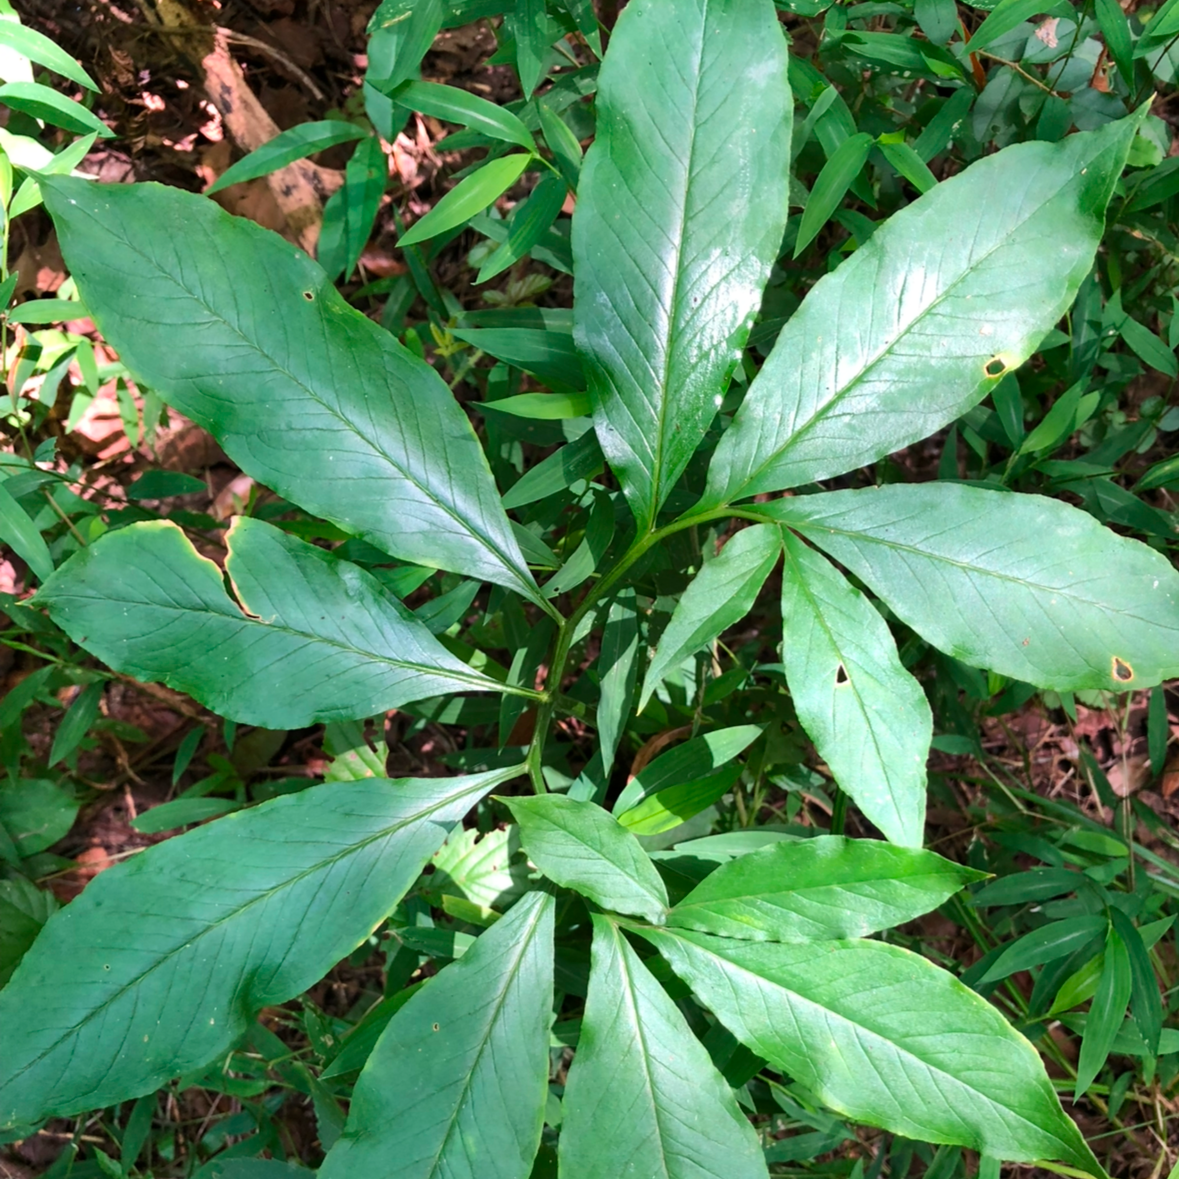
[{"x": 567, "y": 628}]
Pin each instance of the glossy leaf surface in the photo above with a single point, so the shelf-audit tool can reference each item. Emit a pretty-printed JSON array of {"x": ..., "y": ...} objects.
[
  {"x": 868, "y": 717},
  {"x": 162, "y": 962},
  {"x": 643, "y": 1097},
  {"x": 471, "y": 195},
  {"x": 720, "y": 595},
  {"x": 296, "y": 143},
  {"x": 41, "y": 102},
  {"x": 1023, "y": 585},
  {"x": 923, "y": 320},
  {"x": 885, "y": 1037},
  {"x": 818, "y": 889},
  {"x": 578, "y": 845},
  {"x": 459, "y": 106},
  {"x": 320, "y": 639},
  {"x": 39, "y": 48},
  {"x": 243, "y": 334},
  {"x": 456, "y": 1086},
  {"x": 682, "y": 204}
]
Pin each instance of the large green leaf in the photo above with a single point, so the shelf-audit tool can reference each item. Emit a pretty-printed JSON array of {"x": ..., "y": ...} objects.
[
  {"x": 680, "y": 213},
  {"x": 923, "y": 320},
  {"x": 721, "y": 594},
  {"x": 884, "y": 1037},
  {"x": 819, "y": 889},
  {"x": 1024, "y": 585},
  {"x": 456, "y": 1086},
  {"x": 162, "y": 962},
  {"x": 579, "y": 845},
  {"x": 244, "y": 334},
  {"x": 319, "y": 639},
  {"x": 643, "y": 1098},
  {"x": 868, "y": 717}
]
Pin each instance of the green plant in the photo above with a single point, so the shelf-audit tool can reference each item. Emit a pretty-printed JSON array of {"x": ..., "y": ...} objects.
[{"x": 161, "y": 965}]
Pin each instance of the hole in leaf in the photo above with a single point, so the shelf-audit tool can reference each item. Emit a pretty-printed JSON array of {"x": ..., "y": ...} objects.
[
  {"x": 309, "y": 296},
  {"x": 1122, "y": 670},
  {"x": 435, "y": 1026},
  {"x": 995, "y": 367},
  {"x": 841, "y": 676}
]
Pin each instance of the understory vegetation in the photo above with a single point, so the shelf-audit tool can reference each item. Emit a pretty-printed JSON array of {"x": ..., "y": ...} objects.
[{"x": 589, "y": 592}]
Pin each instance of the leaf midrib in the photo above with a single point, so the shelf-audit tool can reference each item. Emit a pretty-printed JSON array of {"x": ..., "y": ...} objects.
[
  {"x": 258, "y": 898},
  {"x": 624, "y": 869},
  {"x": 524, "y": 946},
  {"x": 662, "y": 388},
  {"x": 979, "y": 570},
  {"x": 823, "y": 411},
  {"x": 241, "y": 619},
  {"x": 745, "y": 898},
  {"x": 463, "y": 524},
  {"x": 908, "y": 1053},
  {"x": 620, "y": 948}
]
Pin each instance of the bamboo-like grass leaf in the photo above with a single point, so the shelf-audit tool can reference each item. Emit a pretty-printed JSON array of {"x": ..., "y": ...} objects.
[
  {"x": 459, "y": 106},
  {"x": 18, "y": 531},
  {"x": 681, "y": 209},
  {"x": 162, "y": 962},
  {"x": 39, "y": 48},
  {"x": 244, "y": 334},
  {"x": 42, "y": 102},
  {"x": 643, "y": 1097},
  {"x": 349, "y": 215},
  {"x": 867, "y": 715},
  {"x": 456, "y": 1086},
  {"x": 319, "y": 638},
  {"x": 471, "y": 195},
  {"x": 1114, "y": 989},
  {"x": 580, "y": 846},
  {"x": 1049, "y": 942},
  {"x": 721, "y": 594},
  {"x": 952, "y": 293},
  {"x": 1023, "y": 585},
  {"x": 885, "y": 1037},
  {"x": 296, "y": 143},
  {"x": 819, "y": 889}
]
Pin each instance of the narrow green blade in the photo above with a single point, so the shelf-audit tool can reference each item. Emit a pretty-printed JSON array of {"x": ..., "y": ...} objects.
[
  {"x": 867, "y": 715},
  {"x": 819, "y": 889},
  {"x": 580, "y": 846}
]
